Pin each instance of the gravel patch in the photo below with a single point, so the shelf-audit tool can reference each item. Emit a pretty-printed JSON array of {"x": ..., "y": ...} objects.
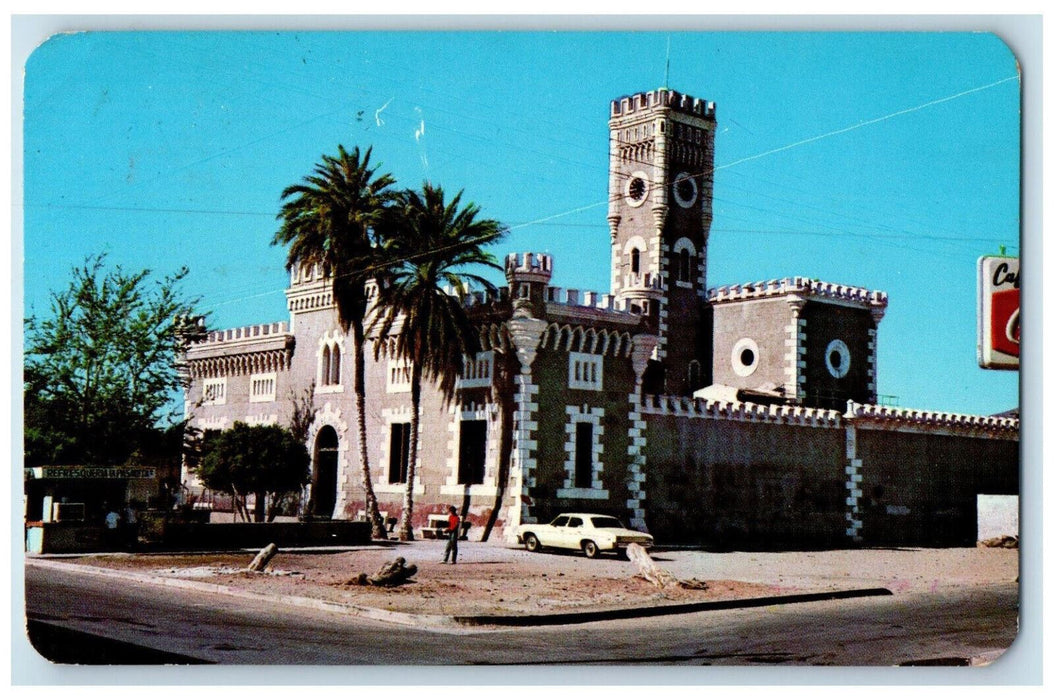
[{"x": 492, "y": 578}]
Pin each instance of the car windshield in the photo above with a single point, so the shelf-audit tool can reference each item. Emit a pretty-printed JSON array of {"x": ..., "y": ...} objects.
[{"x": 606, "y": 522}]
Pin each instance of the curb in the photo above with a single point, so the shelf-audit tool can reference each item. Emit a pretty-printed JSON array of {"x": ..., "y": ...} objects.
[
  {"x": 446, "y": 622},
  {"x": 657, "y": 610}
]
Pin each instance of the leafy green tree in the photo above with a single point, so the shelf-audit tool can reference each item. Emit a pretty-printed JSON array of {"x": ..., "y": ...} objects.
[
  {"x": 265, "y": 460},
  {"x": 328, "y": 220},
  {"x": 102, "y": 368},
  {"x": 430, "y": 243}
]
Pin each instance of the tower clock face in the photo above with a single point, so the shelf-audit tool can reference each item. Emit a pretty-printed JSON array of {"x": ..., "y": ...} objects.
[
  {"x": 685, "y": 190},
  {"x": 636, "y": 190}
]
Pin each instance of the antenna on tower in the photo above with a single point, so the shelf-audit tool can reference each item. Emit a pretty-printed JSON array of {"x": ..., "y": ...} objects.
[{"x": 666, "y": 77}]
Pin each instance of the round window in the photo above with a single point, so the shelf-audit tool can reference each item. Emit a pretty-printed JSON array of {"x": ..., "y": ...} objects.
[
  {"x": 636, "y": 190},
  {"x": 837, "y": 359},
  {"x": 745, "y": 357},
  {"x": 684, "y": 190}
]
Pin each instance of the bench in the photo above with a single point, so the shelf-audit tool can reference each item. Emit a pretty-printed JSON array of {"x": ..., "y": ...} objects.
[
  {"x": 389, "y": 523},
  {"x": 436, "y": 529}
]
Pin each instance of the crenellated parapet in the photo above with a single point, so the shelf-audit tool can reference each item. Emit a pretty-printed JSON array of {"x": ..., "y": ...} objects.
[
  {"x": 245, "y": 333},
  {"x": 646, "y": 282},
  {"x": 578, "y": 306},
  {"x": 662, "y": 99},
  {"x": 264, "y": 347},
  {"x": 528, "y": 267},
  {"x": 307, "y": 274},
  {"x": 889, "y": 417},
  {"x": 743, "y": 411},
  {"x": 801, "y": 287},
  {"x": 480, "y": 298},
  {"x": 578, "y": 297},
  {"x": 310, "y": 288}
]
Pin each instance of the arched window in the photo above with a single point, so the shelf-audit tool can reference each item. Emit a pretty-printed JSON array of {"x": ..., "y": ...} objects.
[
  {"x": 334, "y": 366},
  {"x": 634, "y": 261},
  {"x": 685, "y": 271},
  {"x": 325, "y": 364}
]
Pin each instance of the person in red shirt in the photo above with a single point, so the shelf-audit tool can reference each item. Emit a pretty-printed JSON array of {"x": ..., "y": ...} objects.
[{"x": 453, "y": 530}]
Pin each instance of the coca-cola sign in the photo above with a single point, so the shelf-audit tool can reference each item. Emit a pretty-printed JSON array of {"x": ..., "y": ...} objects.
[{"x": 999, "y": 312}]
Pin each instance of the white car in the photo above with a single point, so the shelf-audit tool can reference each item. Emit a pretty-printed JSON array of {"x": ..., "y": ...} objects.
[{"x": 590, "y": 532}]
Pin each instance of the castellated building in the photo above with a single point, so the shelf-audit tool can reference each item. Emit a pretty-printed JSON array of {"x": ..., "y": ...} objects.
[{"x": 742, "y": 414}]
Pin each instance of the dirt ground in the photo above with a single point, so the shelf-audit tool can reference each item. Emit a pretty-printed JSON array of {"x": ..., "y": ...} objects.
[{"x": 493, "y": 578}]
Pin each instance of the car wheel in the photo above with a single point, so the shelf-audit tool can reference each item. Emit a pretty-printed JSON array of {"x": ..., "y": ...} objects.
[
  {"x": 531, "y": 542},
  {"x": 590, "y": 548}
]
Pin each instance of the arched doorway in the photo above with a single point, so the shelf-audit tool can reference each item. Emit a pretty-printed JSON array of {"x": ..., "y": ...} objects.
[{"x": 324, "y": 478}]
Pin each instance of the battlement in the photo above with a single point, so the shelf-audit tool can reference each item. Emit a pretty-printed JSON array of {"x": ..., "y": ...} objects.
[
  {"x": 245, "y": 333},
  {"x": 643, "y": 282},
  {"x": 800, "y": 286},
  {"x": 913, "y": 418},
  {"x": 663, "y": 99},
  {"x": 886, "y": 417},
  {"x": 528, "y": 267},
  {"x": 478, "y": 298},
  {"x": 578, "y": 297},
  {"x": 739, "y": 411},
  {"x": 306, "y": 274}
]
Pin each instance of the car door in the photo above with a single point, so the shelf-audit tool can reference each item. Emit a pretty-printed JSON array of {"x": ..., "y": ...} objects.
[
  {"x": 573, "y": 533},
  {"x": 553, "y": 536}
]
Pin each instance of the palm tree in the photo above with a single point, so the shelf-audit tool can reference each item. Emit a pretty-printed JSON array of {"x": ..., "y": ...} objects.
[
  {"x": 328, "y": 220},
  {"x": 423, "y": 318}
]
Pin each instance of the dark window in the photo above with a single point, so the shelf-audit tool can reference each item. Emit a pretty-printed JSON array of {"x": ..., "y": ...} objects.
[
  {"x": 325, "y": 365},
  {"x": 636, "y": 189},
  {"x": 399, "y": 453},
  {"x": 560, "y": 522},
  {"x": 685, "y": 272},
  {"x": 634, "y": 261},
  {"x": 574, "y": 522},
  {"x": 583, "y": 455},
  {"x": 685, "y": 190},
  {"x": 334, "y": 366},
  {"x": 473, "y": 452},
  {"x": 747, "y": 357}
]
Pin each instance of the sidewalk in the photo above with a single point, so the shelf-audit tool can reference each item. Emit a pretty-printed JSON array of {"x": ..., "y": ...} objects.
[{"x": 493, "y": 584}]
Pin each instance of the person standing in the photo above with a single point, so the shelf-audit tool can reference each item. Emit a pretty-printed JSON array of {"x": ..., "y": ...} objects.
[
  {"x": 111, "y": 521},
  {"x": 453, "y": 530}
]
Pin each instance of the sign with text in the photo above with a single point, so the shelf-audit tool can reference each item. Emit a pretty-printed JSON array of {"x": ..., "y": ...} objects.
[
  {"x": 998, "y": 312},
  {"x": 91, "y": 473}
]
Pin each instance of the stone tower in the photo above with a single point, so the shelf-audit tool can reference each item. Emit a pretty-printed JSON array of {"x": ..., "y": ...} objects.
[{"x": 660, "y": 196}]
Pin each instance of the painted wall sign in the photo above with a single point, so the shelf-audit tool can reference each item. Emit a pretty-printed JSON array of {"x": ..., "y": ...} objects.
[
  {"x": 91, "y": 473},
  {"x": 998, "y": 312}
]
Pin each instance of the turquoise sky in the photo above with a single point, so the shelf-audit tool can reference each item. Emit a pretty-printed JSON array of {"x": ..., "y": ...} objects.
[{"x": 884, "y": 160}]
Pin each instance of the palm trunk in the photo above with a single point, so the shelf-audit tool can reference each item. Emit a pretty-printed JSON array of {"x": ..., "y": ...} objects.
[
  {"x": 372, "y": 512},
  {"x": 406, "y": 529},
  {"x": 507, "y": 407}
]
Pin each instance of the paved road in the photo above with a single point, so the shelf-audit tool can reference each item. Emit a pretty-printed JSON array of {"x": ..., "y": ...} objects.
[{"x": 938, "y": 628}]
